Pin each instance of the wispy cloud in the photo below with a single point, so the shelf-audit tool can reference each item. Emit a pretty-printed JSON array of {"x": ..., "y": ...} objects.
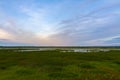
[{"x": 63, "y": 23}]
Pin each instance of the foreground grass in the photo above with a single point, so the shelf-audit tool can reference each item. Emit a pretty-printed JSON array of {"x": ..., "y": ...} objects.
[{"x": 55, "y": 65}]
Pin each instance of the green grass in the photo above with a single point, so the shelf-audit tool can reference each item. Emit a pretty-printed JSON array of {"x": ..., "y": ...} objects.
[{"x": 55, "y": 65}]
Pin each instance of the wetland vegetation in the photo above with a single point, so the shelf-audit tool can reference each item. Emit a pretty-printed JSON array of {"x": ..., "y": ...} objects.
[{"x": 54, "y": 64}]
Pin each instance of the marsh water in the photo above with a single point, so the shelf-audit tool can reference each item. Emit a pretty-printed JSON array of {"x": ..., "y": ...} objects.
[{"x": 83, "y": 50}]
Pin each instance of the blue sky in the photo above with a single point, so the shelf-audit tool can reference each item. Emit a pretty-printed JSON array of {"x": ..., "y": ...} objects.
[{"x": 60, "y": 22}]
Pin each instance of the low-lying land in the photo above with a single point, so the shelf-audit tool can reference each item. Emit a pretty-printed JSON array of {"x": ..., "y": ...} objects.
[{"x": 58, "y": 65}]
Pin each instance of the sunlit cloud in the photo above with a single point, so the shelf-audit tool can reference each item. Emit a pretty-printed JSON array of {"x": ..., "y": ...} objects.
[{"x": 5, "y": 35}]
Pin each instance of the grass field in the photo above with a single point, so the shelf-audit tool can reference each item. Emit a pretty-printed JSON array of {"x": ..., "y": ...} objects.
[{"x": 56, "y": 65}]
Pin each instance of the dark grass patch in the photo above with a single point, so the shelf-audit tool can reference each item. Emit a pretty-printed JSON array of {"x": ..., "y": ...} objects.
[
  {"x": 63, "y": 75},
  {"x": 24, "y": 72},
  {"x": 117, "y": 62},
  {"x": 51, "y": 69},
  {"x": 3, "y": 67},
  {"x": 94, "y": 72},
  {"x": 86, "y": 66}
]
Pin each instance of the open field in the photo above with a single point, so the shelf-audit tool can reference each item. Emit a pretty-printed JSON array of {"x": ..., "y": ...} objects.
[{"x": 59, "y": 64}]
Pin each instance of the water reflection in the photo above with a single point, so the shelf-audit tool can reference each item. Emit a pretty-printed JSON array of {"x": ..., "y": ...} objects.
[
  {"x": 67, "y": 50},
  {"x": 83, "y": 50}
]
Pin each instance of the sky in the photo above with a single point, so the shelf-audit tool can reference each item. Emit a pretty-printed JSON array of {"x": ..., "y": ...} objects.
[{"x": 59, "y": 22}]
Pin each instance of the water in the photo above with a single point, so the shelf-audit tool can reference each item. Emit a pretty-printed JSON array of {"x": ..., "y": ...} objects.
[
  {"x": 37, "y": 49},
  {"x": 83, "y": 50},
  {"x": 66, "y": 50}
]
